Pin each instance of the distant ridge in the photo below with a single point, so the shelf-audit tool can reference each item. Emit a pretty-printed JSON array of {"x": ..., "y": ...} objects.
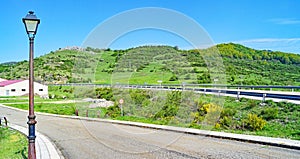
[
  {"x": 9, "y": 63},
  {"x": 243, "y": 65}
]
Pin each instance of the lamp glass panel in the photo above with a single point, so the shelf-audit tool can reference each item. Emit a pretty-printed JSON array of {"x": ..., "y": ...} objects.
[{"x": 31, "y": 25}]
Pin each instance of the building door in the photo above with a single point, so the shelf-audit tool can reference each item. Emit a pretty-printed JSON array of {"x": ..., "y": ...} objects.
[{"x": 7, "y": 93}]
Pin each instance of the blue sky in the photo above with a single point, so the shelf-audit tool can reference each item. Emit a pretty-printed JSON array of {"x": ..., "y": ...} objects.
[{"x": 268, "y": 24}]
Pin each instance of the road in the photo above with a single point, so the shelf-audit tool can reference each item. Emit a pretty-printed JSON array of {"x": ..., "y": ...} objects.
[{"x": 80, "y": 139}]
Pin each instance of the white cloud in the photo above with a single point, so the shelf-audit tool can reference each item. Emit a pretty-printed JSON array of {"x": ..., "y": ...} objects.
[
  {"x": 285, "y": 21},
  {"x": 270, "y": 40}
]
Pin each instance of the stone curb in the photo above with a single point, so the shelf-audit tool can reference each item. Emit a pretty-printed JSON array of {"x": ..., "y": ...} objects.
[
  {"x": 278, "y": 142},
  {"x": 45, "y": 149}
]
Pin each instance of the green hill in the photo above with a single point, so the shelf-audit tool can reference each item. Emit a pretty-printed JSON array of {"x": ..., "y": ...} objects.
[{"x": 150, "y": 64}]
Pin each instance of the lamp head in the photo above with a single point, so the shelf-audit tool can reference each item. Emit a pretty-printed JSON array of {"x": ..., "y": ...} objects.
[{"x": 31, "y": 23}]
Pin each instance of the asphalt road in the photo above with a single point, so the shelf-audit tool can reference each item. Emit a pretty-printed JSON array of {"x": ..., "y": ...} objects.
[{"x": 90, "y": 139}]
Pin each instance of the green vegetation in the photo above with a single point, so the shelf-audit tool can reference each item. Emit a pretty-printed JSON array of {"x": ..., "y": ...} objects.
[
  {"x": 13, "y": 144},
  {"x": 11, "y": 99},
  {"x": 185, "y": 109},
  {"x": 150, "y": 64},
  {"x": 54, "y": 108}
]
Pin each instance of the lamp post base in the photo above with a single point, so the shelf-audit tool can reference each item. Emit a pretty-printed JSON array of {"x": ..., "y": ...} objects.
[{"x": 31, "y": 137}]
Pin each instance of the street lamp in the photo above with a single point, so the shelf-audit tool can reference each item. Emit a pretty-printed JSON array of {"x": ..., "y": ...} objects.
[{"x": 31, "y": 24}]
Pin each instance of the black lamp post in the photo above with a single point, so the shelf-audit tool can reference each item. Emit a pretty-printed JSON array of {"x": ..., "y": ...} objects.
[{"x": 31, "y": 24}]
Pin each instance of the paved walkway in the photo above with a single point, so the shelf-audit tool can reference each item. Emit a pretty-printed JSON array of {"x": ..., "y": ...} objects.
[{"x": 45, "y": 149}]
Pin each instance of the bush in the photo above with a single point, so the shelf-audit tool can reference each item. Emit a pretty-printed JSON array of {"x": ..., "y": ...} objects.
[
  {"x": 269, "y": 113},
  {"x": 140, "y": 97},
  {"x": 217, "y": 126},
  {"x": 252, "y": 103},
  {"x": 228, "y": 112},
  {"x": 104, "y": 93},
  {"x": 84, "y": 92},
  {"x": 113, "y": 111},
  {"x": 270, "y": 102},
  {"x": 173, "y": 78},
  {"x": 198, "y": 118},
  {"x": 171, "y": 107},
  {"x": 206, "y": 113},
  {"x": 254, "y": 122},
  {"x": 226, "y": 122},
  {"x": 243, "y": 99}
]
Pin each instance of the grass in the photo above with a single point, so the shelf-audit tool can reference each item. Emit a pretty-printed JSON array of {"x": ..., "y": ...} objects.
[
  {"x": 24, "y": 99},
  {"x": 61, "y": 109},
  {"x": 13, "y": 144},
  {"x": 13, "y": 100}
]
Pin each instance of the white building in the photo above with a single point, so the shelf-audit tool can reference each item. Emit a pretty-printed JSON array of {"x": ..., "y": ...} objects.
[{"x": 21, "y": 88}]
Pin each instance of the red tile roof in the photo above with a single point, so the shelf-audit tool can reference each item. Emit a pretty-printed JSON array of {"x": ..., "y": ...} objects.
[{"x": 9, "y": 82}]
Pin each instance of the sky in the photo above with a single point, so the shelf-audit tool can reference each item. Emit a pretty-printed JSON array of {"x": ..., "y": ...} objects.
[{"x": 269, "y": 24}]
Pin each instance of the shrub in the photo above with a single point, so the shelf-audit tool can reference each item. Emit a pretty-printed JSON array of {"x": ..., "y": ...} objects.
[
  {"x": 113, "y": 111},
  {"x": 226, "y": 121},
  {"x": 104, "y": 93},
  {"x": 270, "y": 102},
  {"x": 84, "y": 92},
  {"x": 207, "y": 113},
  {"x": 269, "y": 113},
  {"x": 254, "y": 122},
  {"x": 217, "y": 126},
  {"x": 173, "y": 78},
  {"x": 243, "y": 99},
  {"x": 197, "y": 117},
  {"x": 171, "y": 107},
  {"x": 252, "y": 103},
  {"x": 140, "y": 97},
  {"x": 228, "y": 112}
]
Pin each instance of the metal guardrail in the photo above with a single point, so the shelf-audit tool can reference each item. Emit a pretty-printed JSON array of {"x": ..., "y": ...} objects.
[
  {"x": 210, "y": 88},
  {"x": 180, "y": 85}
]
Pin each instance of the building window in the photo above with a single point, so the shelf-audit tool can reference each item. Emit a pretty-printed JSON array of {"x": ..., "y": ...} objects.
[
  {"x": 13, "y": 90},
  {"x": 41, "y": 90},
  {"x": 23, "y": 90}
]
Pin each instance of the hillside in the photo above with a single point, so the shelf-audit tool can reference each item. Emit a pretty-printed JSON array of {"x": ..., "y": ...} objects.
[{"x": 150, "y": 64}]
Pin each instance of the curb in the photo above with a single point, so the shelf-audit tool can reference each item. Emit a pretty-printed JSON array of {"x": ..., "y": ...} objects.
[
  {"x": 45, "y": 149},
  {"x": 278, "y": 142}
]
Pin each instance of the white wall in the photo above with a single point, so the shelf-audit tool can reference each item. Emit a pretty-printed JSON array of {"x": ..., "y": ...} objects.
[{"x": 22, "y": 88}]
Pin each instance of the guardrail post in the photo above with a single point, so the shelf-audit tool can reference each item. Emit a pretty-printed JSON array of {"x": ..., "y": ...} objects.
[
  {"x": 238, "y": 95},
  {"x": 264, "y": 97}
]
